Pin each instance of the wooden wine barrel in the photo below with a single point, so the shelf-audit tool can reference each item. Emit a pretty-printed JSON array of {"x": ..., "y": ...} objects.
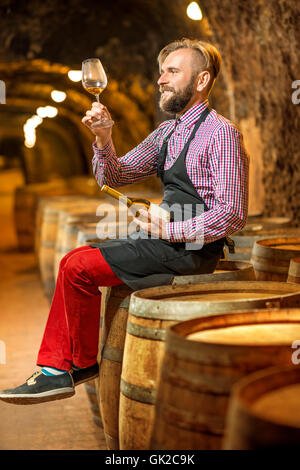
[
  {"x": 266, "y": 222},
  {"x": 77, "y": 187},
  {"x": 49, "y": 229},
  {"x": 245, "y": 239},
  {"x": 85, "y": 233},
  {"x": 151, "y": 312},
  {"x": 83, "y": 184},
  {"x": 61, "y": 201},
  {"x": 114, "y": 319},
  {"x": 88, "y": 231},
  {"x": 25, "y": 206},
  {"x": 294, "y": 271},
  {"x": 203, "y": 358},
  {"x": 264, "y": 411},
  {"x": 70, "y": 223},
  {"x": 66, "y": 239},
  {"x": 116, "y": 304},
  {"x": 67, "y": 228},
  {"x": 225, "y": 271},
  {"x": 271, "y": 257},
  {"x": 93, "y": 397}
]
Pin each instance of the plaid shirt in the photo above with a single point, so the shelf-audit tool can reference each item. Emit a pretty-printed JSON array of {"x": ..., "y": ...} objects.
[{"x": 216, "y": 162}]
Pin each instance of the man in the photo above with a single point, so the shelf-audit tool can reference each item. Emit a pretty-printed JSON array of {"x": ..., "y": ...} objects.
[{"x": 200, "y": 159}]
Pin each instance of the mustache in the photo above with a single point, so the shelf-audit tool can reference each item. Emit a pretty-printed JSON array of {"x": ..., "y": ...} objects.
[{"x": 166, "y": 88}]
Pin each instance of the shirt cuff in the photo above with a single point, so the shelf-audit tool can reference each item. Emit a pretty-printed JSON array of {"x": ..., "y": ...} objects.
[
  {"x": 107, "y": 150},
  {"x": 175, "y": 231}
]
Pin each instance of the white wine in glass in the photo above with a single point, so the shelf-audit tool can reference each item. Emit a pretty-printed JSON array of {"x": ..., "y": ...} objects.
[{"x": 94, "y": 80}]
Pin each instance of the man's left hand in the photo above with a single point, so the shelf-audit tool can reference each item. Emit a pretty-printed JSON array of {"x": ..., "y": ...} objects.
[{"x": 151, "y": 224}]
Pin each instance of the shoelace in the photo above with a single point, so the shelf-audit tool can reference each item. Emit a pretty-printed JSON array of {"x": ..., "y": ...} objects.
[{"x": 35, "y": 374}]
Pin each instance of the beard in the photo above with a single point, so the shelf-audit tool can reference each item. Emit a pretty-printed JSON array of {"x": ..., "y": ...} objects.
[{"x": 178, "y": 100}]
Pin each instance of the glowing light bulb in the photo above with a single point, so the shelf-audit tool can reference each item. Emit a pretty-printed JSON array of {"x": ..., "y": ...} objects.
[
  {"x": 75, "y": 75},
  {"x": 35, "y": 121},
  {"x": 194, "y": 12},
  {"x": 42, "y": 112},
  {"x": 58, "y": 96},
  {"x": 51, "y": 111},
  {"x": 29, "y": 129},
  {"x": 29, "y": 143}
]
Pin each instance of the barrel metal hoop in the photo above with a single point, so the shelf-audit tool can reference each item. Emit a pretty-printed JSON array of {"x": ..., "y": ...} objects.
[
  {"x": 268, "y": 252},
  {"x": 268, "y": 268},
  {"x": 157, "y": 334},
  {"x": 125, "y": 302},
  {"x": 294, "y": 269},
  {"x": 63, "y": 250},
  {"x": 112, "y": 354},
  {"x": 141, "y": 394},
  {"x": 239, "y": 275},
  {"x": 90, "y": 389},
  {"x": 201, "y": 423},
  {"x": 46, "y": 244},
  {"x": 49, "y": 285}
]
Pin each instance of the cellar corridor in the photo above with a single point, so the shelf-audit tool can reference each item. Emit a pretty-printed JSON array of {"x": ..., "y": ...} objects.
[{"x": 61, "y": 425}]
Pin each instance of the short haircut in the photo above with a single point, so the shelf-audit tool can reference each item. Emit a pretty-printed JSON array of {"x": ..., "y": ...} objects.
[{"x": 210, "y": 58}]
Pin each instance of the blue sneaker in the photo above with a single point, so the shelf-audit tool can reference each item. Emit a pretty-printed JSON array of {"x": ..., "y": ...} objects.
[
  {"x": 40, "y": 388},
  {"x": 84, "y": 375}
]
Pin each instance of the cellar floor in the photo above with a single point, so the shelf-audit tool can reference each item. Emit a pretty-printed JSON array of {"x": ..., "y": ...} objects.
[{"x": 59, "y": 425}]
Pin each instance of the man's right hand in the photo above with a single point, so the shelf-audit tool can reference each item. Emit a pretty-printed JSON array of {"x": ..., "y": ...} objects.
[{"x": 96, "y": 113}]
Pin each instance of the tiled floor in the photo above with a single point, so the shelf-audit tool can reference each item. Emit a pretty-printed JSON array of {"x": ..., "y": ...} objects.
[{"x": 64, "y": 424}]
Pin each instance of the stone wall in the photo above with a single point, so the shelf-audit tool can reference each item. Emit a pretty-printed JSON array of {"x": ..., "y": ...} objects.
[{"x": 260, "y": 42}]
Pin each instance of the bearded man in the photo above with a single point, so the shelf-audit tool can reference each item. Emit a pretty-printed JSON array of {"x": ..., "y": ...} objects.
[{"x": 200, "y": 159}]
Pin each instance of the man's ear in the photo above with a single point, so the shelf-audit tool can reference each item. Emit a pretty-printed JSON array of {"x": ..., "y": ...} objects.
[{"x": 202, "y": 80}]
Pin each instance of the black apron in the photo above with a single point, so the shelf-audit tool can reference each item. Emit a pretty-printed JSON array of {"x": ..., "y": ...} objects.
[{"x": 147, "y": 262}]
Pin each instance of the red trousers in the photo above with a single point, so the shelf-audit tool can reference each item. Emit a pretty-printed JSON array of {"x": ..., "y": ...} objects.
[{"x": 71, "y": 335}]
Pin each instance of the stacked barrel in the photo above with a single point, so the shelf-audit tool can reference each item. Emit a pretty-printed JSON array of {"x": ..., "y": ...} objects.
[
  {"x": 257, "y": 228},
  {"x": 28, "y": 197},
  {"x": 172, "y": 357},
  {"x": 179, "y": 364}
]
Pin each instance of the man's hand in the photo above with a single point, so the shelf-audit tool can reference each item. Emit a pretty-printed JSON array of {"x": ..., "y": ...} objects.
[
  {"x": 96, "y": 113},
  {"x": 152, "y": 225}
]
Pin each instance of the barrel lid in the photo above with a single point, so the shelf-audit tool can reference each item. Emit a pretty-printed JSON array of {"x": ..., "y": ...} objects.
[
  {"x": 188, "y": 301},
  {"x": 285, "y": 247},
  {"x": 196, "y": 329},
  {"x": 294, "y": 268},
  {"x": 225, "y": 271},
  {"x": 249, "y": 390}
]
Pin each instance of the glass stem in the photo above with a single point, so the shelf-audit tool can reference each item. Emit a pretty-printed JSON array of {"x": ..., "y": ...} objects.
[{"x": 97, "y": 98}]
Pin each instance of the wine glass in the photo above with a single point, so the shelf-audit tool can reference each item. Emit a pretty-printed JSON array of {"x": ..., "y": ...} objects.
[{"x": 94, "y": 81}]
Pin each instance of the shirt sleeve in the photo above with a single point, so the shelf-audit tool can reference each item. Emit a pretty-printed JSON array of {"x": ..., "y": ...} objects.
[
  {"x": 139, "y": 163},
  {"x": 229, "y": 167}
]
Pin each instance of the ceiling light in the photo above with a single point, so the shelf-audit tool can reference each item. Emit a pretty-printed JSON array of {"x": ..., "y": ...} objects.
[
  {"x": 58, "y": 96},
  {"x": 42, "y": 112},
  {"x": 51, "y": 111},
  {"x": 75, "y": 75},
  {"x": 194, "y": 12}
]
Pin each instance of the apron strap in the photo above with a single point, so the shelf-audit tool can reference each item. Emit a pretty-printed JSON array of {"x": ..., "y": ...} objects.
[{"x": 164, "y": 149}]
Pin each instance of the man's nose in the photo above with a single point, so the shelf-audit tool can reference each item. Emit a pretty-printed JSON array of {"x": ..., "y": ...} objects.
[{"x": 162, "y": 79}]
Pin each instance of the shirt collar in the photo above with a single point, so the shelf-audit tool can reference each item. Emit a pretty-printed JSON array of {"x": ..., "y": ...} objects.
[{"x": 192, "y": 115}]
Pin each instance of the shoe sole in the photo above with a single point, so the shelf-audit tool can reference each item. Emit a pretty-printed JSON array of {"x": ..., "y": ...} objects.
[
  {"x": 87, "y": 379},
  {"x": 43, "y": 397}
]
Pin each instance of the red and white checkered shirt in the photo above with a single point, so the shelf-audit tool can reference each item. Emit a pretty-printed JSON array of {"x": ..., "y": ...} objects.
[{"x": 216, "y": 162}]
